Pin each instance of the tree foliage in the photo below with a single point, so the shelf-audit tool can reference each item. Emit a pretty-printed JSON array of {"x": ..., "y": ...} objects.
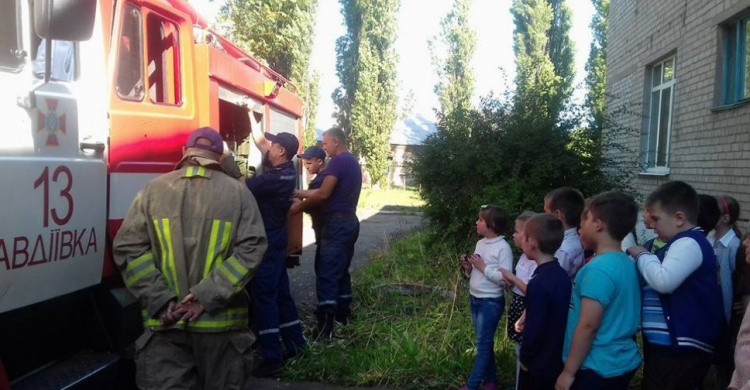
[
  {"x": 366, "y": 66},
  {"x": 452, "y": 52},
  {"x": 280, "y": 33},
  {"x": 544, "y": 57},
  {"x": 596, "y": 66},
  {"x": 521, "y": 146}
]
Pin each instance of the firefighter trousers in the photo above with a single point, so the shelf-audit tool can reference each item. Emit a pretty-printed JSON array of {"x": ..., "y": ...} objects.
[
  {"x": 274, "y": 312},
  {"x": 334, "y": 284},
  {"x": 180, "y": 360}
]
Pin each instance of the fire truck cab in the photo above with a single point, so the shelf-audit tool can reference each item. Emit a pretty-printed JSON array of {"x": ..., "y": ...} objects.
[{"x": 97, "y": 98}]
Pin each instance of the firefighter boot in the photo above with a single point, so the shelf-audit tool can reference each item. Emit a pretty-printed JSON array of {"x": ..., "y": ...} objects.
[{"x": 324, "y": 331}]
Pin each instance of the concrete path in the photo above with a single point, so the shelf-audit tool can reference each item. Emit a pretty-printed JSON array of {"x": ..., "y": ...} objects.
[{"x": 377, "y": 229}]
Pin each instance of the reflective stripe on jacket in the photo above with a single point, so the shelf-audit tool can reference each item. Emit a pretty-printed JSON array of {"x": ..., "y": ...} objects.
[{"x": 194, "y": 230}]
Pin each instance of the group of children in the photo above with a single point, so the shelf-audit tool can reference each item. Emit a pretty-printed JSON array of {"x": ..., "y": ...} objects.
[{"x": 574, "y": 317}]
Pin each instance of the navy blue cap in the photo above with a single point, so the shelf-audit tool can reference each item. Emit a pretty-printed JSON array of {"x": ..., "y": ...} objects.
[
  {"x": 287, "y": 140},
  {"x": 313, "y": 152},
  {"x": 216, "y": 146}
]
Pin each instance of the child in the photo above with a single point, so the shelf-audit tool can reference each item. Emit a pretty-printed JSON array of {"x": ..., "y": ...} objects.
[
  {"x": 567, "y": 203},
  {"x": 524, "y": 269},
  {"x": 682, "y": 309},
  {"x": 547, "y": 299},
  {"x": 726, "y": 243},
  {"x": 492, "y": 253},
  {"x": 741, "y": 377},
  {"x": 600, "y": 350},
  {"x": 314, "y": 159}
]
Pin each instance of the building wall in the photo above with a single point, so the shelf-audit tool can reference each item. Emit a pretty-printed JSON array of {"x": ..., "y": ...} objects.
[
  {"x": 710, "y": 147},
  {"x": 400, "y": 174}
]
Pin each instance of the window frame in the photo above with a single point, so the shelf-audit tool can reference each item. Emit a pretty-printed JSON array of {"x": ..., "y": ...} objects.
[
  {"x": 734, "y": 77},
  {"x": 178, "y": 66},
  {"x": 129, "y": 6},
  {"x": 650, "y": 154},
  {"x": 19, "y": 40}
]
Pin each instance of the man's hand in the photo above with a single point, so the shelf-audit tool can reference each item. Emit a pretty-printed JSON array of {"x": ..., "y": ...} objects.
[
  {"x": 297, "y": 195},
  {"x": 296, "y": 208},
  {"x": 564, "y": 381},
  {"x": 189, "y": 309},
  {"x": 167, "y": 316}
]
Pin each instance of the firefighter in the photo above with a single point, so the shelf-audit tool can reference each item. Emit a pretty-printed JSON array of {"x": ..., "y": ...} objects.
[
  {"x": 274, "y": 312},
  {"x": 190, "y": 243}
]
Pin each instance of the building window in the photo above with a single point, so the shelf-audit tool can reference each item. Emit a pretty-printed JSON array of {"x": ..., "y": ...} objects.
[
  {"x": 661, "y": 78},
  {"x": 736, "y": 64}
]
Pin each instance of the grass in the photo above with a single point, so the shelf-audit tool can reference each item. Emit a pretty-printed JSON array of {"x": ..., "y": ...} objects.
[
  {"x": 411, "y": 342},
  {"x": 395, "y": 199}
]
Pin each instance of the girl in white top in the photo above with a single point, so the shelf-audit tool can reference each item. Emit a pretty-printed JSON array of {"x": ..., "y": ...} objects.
[
  {"x": 524, "y": 269},
  {"x": 492, "y": 254}
]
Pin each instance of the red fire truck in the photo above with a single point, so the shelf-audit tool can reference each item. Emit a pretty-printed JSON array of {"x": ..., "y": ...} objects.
[{"x": 97, "y": 98}]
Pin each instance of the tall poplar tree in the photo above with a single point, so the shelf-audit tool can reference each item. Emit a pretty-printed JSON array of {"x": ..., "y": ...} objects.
[
  {"x": 452, "y": 53},
  {"x": 280, "y": 33},
  {"x": 544, "y": 56},
  {"x": 366, "y": 66},
  {"x": 596, "y": 66}
]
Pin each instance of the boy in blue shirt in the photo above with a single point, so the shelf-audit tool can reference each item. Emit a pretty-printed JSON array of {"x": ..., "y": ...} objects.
[
  {"x": 600, "y": 350},
  {"x": 547, "y": 299},
  {"x": 682, "y": 308}
]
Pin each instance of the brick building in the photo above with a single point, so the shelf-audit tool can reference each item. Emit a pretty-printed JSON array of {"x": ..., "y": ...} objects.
[{"x": 681, "y": 69}]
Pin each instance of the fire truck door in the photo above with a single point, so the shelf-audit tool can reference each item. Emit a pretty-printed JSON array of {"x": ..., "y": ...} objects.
[
  {"x": 53, "y": 197},
  {"x": 152, "y": 103}
]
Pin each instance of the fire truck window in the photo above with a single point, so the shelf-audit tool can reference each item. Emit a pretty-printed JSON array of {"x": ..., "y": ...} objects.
[
  {"x": 130, "y": 60},
  {"x": 163, "y": 52},
  {"x": 10, "y": 58}
]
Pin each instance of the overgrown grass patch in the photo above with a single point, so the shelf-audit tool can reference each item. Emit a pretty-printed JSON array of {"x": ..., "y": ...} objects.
[
  {"x": 420, "y": 341},
  {"x": 394, "y": 199}
]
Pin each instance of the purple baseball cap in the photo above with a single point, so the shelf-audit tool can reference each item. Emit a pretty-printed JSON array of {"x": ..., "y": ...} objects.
[{"x": 217, "y": 143}]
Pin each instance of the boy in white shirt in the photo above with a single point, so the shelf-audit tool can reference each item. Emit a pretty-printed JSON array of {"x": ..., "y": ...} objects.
[{"x": 567, "y": 204}]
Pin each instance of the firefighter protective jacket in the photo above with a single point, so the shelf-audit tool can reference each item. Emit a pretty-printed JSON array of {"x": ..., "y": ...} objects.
[{"x": 194, "y": 230}]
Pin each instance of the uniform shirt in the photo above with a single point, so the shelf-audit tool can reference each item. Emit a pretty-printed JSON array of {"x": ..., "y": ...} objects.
[
  {"x": 273, "y": 190},
  {"x": 612, "y": 280},
  {"x": 496, "y": 254},
  {"x": 345, "y": 168},
  {"x": 570, "y": 254},
  {"x": 725, "y": 249},
  {"x": 547, "y": 300},
  {"x": 524, "y": 270}
]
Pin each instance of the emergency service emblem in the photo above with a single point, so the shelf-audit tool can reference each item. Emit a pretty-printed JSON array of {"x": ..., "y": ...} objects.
[{"x": 51, "y": 122}]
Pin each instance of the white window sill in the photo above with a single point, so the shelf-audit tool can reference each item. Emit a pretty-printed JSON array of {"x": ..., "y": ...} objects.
[{"x": 655, "y": 172}]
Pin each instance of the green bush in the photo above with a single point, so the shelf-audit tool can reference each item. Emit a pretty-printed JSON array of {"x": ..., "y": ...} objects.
[{"x": 513, "y": 162}]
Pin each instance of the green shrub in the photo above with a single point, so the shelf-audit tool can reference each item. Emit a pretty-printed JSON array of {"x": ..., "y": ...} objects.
[{"x": 512, "y": 162}]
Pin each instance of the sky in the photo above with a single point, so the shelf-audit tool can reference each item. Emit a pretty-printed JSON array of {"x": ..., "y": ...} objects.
[{"x": 419, "y": 21}]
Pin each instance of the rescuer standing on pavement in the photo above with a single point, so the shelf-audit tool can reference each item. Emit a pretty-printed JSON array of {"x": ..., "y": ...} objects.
[
  {"x": 190, "y": 242},
  {"x": 274, "y": 310},
  {"x": 342, "y": 182}
]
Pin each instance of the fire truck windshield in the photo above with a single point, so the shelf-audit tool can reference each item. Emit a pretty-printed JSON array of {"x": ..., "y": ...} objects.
[{"x": 10, "y": 50}]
